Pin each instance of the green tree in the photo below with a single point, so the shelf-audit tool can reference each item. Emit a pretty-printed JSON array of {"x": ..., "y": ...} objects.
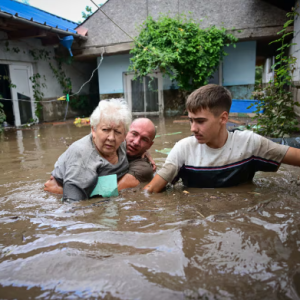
[
  {"x": 88, "y": 12},
  {"x": 179, "y": 48},
  {"x": 278, "y": 118},
  {"x": 2, "y": 115}
]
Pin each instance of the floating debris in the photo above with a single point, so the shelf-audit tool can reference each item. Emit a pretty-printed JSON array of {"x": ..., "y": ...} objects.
[
  {"x": 164, "y": 151},
  {"x": 82, "y": 121}
]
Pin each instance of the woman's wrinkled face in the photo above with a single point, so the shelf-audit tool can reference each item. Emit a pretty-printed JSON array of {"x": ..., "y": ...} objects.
[{"x": 108, "y": 137}]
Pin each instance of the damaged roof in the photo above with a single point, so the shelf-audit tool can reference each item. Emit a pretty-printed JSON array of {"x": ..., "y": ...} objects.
[{"x": 36, "y": 15}]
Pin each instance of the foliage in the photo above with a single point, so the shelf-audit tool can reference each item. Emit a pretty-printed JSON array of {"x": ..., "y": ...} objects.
[
  {"x": 14, "y": 49},
  {"x": 37, "y": 85},
  {"x": 6, "y": 77},
  {"x": 179, "y": 48},
  {"x": 84, "y": 104},
  {"x": 39, "y": 54},
  {"x": 60, "y": 75},
  {"x": 258, "y": 76},
  {"x": 37, "y": 93},
  {"x": 276, "y": 100},
  {"x": 88, "y": 12},
  {"x": 2, "y": 115},
  {"x": 78, "y": 102}
]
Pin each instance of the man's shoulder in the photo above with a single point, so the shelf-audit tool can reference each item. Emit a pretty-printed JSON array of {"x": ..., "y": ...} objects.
[{"x": 141, "y": 169}]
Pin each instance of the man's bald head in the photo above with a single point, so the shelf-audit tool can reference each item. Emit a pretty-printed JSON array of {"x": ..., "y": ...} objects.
[
  {"x": 147, "y": 123},
  {"x": 140, "y": 136}
]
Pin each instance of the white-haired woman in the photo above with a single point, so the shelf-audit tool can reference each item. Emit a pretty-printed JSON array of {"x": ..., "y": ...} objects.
[{"x": 102, "y": 152}]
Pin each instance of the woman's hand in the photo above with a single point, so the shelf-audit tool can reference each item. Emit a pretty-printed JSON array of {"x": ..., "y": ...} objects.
[{"x": 149, "y": 157}]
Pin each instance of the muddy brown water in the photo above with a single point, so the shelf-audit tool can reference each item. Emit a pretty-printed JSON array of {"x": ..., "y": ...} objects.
[{"x": 233, "y": 243}]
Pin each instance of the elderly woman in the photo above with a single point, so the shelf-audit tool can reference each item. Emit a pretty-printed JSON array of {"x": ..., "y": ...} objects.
[{"x": 102, "y": 152}]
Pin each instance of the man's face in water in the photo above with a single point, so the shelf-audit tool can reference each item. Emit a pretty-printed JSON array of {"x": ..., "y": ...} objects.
[
  {"x": 140, "y": 137},
  {"x": 207, "y": 127}
]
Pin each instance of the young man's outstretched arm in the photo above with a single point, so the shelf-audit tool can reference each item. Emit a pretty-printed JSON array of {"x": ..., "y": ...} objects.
[
  {"x": 156, "y": 184},
  {"x": 292, "y": 157}
]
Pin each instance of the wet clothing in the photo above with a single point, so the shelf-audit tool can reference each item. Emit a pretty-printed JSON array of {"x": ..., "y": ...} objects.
[
  {"x": 292, "y": 142},
  {"x": 140, "y": 168},
  {"x": 79, "y": 167},
  {"x": 243, "y": 154}
]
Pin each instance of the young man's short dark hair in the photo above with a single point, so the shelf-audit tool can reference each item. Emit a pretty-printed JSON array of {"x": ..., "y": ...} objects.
[{"x": 214, "y": 97}]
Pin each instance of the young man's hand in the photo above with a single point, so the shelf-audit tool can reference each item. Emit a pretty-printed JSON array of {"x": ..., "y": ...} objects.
[{"x": 156, "y": 184}]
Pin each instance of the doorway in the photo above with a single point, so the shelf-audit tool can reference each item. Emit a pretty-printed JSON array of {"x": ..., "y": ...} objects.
[
  {"x": 17, "y": 87},
  {"x": 144, "y": 95},
  {"x": 5, "y": 93},
  {"x": 23, "y": 105}
]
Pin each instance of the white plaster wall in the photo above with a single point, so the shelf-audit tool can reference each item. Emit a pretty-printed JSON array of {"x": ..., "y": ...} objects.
[
  {"x": 239, "y": 64},
  {"x": 110, "y": 74},
  {"x": 79, "y": 72}
]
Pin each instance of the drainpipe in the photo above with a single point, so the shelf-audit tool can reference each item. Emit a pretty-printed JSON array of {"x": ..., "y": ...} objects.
[{"x": 45, "y": 27}]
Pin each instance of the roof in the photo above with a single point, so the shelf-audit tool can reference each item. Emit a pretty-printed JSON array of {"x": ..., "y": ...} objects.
[{"x": 36, "y": 15}]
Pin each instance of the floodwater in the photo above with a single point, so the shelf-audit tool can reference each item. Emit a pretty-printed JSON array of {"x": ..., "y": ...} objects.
[{"x": 233, "y": 243}]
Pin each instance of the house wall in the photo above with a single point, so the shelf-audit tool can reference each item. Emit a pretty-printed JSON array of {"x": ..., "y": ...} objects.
[
  {"x": 78, "y": 72},
  {"x": 239, "y": 14},
  {"x": 295, "y": 51},
  {"x": 110, "y": 75},
  {"x": 238, "y": 76},
  {"x": 239, "y": 69}
]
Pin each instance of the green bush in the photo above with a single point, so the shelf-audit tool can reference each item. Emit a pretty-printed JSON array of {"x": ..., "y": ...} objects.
[
  {"x": 179, "y": 48},
  {"x": 2, "y": 115},
  {"x": 276, "y": 99}
]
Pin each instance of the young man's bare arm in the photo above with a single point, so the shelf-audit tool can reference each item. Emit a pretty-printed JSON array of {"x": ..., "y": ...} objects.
[
  {"x": 292, "y": 157},
  {"x": 156, "y": 184}
]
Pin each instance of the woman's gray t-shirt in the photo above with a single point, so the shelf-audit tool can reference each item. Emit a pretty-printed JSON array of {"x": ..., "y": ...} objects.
[{"x": 79, "y": 167}]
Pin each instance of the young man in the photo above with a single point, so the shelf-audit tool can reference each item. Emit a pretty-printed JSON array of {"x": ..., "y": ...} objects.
[{"x": 214, "y": 157}]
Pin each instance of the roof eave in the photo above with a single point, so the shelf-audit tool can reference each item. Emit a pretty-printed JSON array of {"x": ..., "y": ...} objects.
[{"x": 43, "y": 26}]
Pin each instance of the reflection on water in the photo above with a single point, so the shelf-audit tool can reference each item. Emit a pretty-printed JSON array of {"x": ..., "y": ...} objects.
[{"x": 234, "y": 243}]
